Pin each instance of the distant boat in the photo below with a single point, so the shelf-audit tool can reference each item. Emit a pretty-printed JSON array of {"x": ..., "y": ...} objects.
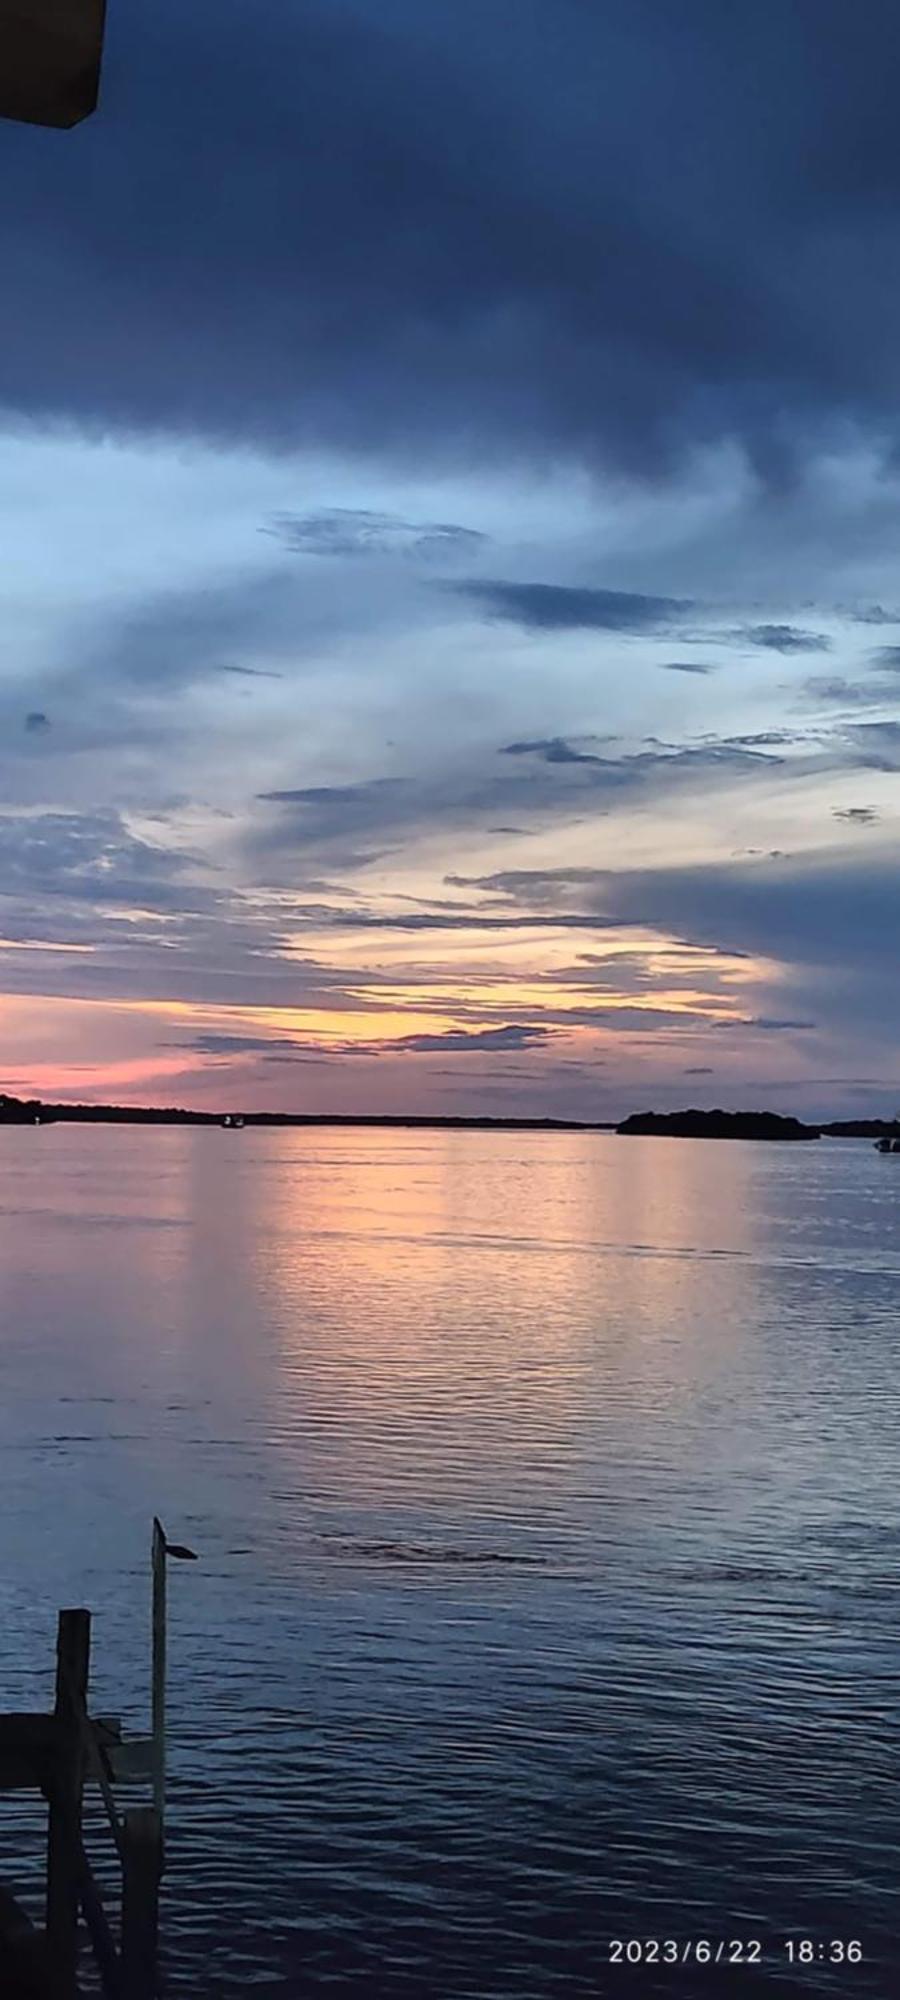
[
  {"x": 887, "y": 1145},
  {"x": 233, "y": 1121}
]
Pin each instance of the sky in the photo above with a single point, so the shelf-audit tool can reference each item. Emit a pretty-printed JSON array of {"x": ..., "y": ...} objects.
[{"x": 450, "y": 497}]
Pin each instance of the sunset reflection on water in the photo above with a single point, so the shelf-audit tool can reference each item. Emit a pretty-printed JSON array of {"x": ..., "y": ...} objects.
[{"x": 544, "y": 1491}]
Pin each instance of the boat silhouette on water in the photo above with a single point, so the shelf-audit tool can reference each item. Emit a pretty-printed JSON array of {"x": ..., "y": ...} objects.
[{"x": 887, "y": 1145}]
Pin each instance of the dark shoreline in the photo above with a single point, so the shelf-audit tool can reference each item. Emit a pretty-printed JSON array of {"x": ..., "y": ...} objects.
[
  {"x": 692, "y": 1124},
  {"x": 32, "y": 1111}
]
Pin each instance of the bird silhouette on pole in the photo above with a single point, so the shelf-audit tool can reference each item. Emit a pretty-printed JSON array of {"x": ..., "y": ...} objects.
[
  {"x": 50, "y": 53},
  {"x": 161, "y": 1549}
]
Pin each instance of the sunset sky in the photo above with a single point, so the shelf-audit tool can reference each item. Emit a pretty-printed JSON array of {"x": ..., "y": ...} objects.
[{"x": 450, "y": 501}]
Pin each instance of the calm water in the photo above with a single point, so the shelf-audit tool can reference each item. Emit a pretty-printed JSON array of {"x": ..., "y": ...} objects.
[{"x": 546, "y": 1490}]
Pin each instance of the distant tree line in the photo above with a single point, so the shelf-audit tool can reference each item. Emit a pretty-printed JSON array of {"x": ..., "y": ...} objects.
[
  {"x": 676, "y": 1124},
  {"x": 32, "y": 1111},
  {"x": 751, "y": 1125}
]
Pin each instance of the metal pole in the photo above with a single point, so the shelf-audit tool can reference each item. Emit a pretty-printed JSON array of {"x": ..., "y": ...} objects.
[{"x": 162, "y": 1548}]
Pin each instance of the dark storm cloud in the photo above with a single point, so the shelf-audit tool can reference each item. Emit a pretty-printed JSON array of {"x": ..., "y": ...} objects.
[
  {"x": 354, "y": 222},
  {"x": 767, "y": 1024},
  {"x": 324, "y": 797},
  {"x": 556, "y": 607},
  {"x": 887, "y": 658},
  {"x": 355, "y": 531},
  {"x": 463, "y": 1041},
  {"x": 834, "y": 912},
  {"x": 764, "y": 739},
  {"x": 476, "y": 918},
  {"x": 552, "y": 749},
  {"x": 253, "y": 673},
  {"x": 513, "y": 1035},
  {"x": 784, "y": 639},
  {"x": 621, "y": 1019},
  {"x": 242, "y": 1045}
]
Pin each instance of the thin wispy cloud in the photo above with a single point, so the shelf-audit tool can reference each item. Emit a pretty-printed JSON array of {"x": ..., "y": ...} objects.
[
  {"x": 554, "y": 607},
  {"x": 784, "y": 639},
  {"x": 355, "y": 531},
  {"x": 553, "y": 750}
]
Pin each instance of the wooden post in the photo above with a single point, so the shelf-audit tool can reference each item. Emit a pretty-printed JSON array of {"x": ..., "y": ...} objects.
[
  {"x": 101, "y": 1936},
  {"x": 141, "y": 1871},
  {"x": 158, "y": 1684},
  {"x": 73, "y": 1647}
]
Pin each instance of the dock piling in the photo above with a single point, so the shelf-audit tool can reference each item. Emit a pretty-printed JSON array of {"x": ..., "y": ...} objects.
[
  {"x": 158, "y": 1668},
  {"x": 141, "y": 1874},
  {"x": 73, "y": 1646},
  {"x": 58, "y": 1754}
]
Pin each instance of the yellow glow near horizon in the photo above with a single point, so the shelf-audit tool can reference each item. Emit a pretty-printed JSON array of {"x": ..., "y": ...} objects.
[
  {"x": 590, "y": 992},
  {"x": 453, "y": 996}
]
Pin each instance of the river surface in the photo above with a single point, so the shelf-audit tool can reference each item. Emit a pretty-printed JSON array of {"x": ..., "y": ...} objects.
[{"x": 546, "y": 1494}]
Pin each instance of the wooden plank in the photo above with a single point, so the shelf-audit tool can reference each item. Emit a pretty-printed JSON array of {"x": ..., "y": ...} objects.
[
  {"x": 95, "y": 1768},
  {"x": 50, "y": 54},
  {"x": 94, "y": 1761},
  {"x": 73, "y": 1647},
  {"x": 23, "y": 1960},
  {"x": 32, "y": 1728},
  {"x": 105, "y": 1953},
  {"x": 27, "y": 1749},
  {"x": 129, "y": 1763},
  {"x": 141, "y": 1873},
  {"x": 21, "y": 1774},
  {"x": 108, "y": 1728}
]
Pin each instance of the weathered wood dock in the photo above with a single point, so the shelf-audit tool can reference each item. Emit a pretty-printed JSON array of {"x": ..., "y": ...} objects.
[{"x": 60, "y": 1754}]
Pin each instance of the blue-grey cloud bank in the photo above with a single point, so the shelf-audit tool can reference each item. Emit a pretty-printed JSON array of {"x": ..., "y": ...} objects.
[{"x": 451, "y": 479}]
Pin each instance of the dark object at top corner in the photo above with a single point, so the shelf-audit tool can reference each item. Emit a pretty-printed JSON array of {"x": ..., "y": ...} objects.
[{"x": 50, "y": 54}]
